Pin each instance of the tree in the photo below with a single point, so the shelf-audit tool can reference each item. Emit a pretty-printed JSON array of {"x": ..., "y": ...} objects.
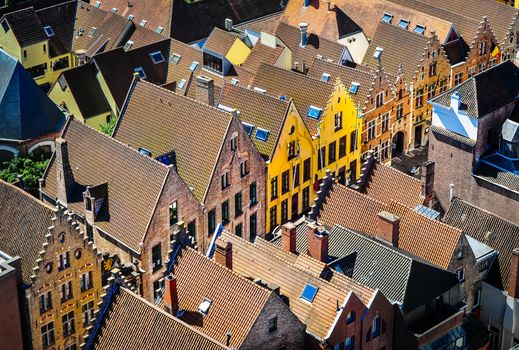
[
  {"x": 30, "y": 169},
  {"x": 108, "y": 127}
]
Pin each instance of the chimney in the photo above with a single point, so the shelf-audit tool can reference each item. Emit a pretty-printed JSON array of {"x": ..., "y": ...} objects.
[
  {"x": 513, "y": 281},
  {"x": 171, "y": 294},
  {"x": 64, "y": 176},
  {"x": 428, "y": 181},
  {"x": 205, "y": 90},
  {"x": 317, "y": 242},
  {"x": 288, "y": 237},
  {"x": 304, "y": 38},
  {"x": 388, "y": 227},
  {"x": 223, "y": 253},
  {"x": 455, "y": 101}
]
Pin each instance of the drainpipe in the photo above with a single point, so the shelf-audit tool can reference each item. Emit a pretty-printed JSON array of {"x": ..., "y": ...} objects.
[{"x": 411, "y": 114}]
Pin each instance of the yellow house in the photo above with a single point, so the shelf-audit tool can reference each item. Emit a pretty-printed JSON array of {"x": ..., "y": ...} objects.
[{"x": 41, "y": 40}]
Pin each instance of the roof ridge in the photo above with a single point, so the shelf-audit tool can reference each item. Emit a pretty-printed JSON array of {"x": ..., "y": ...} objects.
[
  {"x": 294, "y": 73},
  {"x": 20, "y": 10},
  {"x": 27, "y": 195},
  {"x": 421, "y": 36},
  {"x": 183, "y": 44},
  {"x": 449, "y": 11},
  {"x": 371, "y": 74},
  {"x": 267, "y": 96},
  {"x": 55, "y": 5}
]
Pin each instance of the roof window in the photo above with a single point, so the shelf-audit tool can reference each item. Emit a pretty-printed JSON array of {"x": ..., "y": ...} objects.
[
  {"x": 387, "y": 17},
  {"x": 48, "y": 30},
  {"x": 249, "y": 128},
  {"x": 354, "y": 87},
  {"x": 131, "y": 17},
  {"x": 234, "y": 81},
  {"x": 325, "y": 77},
  {"x": 193, "y": 66},
  {"x": 80, "y": 32},
  {"x": 141, "y": 72},
  {"x": 283, "y": 97},
  {"x": 309, "y": 293},
  {"x": 157, "y": 57},
  {"x": 113, "y": 10},
  {"x": 98, "y": 4},
  {"x": 204, "y": 306},
  {"x": 419, "y": 29},
  {"x": 181, "y": 83},
  {"x": 159, "y": 30},
  {"x": 144, "y": 151},
  {"x": 175, "y": 58},
  {"x": 5, "y": 25},
  {"x": 128, "y": 45},
  {"x": 378, "y": 53},
  {"x": 92, "y": 31},
  {"x": 404, "y": 23},
  {"x": 143, "y": 23},
  {"x": 314, "y": 112},
  {"x": 260, "y": 90},
  {"x": 262, "y": 134}
]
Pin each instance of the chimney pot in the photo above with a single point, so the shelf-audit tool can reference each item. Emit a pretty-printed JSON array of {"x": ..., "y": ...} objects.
[
  {"x": 205, "y": 90},
  {"x": 317, "y": 239},
  {"x": 223, "y": 253},
  {"x": 388, "y": 227},
  {"x": 171, "y": 294},
  {"x": 289, "y": 237},
  {"x": 304, "y": 37},
  {"x": 513, "y": 281},
  {"x": 455, "y": 101}
]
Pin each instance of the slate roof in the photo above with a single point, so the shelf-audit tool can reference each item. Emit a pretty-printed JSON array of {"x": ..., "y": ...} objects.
[
  {"x": 258, "y": 109},
  {"x": 25, "y": 111},
  {"x": 385, "y": 184},
  {"x": 498, "y": 177},
  {"x": 428, "y": 239},
  {"x": 487, "y": 91},
  {"x": 400, "y": 47},
  {"x": 134, "y": 182},
  {"x": 220, "y": 41},
  {"x": 452, "y": 135},
  {"x": 492, "y": 230},
  {"x": 292, "y": 273},
  {"x": 24, "y": 222},
  {"x": 400, "y": 276},
  {"x": 132, "y": 323},
  {"x": 210, "y": 14},
  {"x": 305, "y": 91},
  {"x": 236, "y": 301},
  {"x": 175, "y": 123},
  {"x": 26, "y": 26},
  {"x": 180, "y": 70},
  {"x": 456, "y": 51}
]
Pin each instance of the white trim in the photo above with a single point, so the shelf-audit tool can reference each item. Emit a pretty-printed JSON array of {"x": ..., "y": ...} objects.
[
  {"x": 42, "y": 143},
  {"x": 10, "y": 149}
]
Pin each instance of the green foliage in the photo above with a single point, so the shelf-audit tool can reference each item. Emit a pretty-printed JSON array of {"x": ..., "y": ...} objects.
[
  {"x": 30, "y": 168},
  {"x": 108, "y": 127}
]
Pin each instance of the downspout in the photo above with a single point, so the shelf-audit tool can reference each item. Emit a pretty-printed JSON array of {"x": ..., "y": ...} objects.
[{"x": 411, "y": 114}]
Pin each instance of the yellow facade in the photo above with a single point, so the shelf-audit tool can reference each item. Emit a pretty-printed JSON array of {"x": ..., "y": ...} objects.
[{"x": 238, "y": 52}]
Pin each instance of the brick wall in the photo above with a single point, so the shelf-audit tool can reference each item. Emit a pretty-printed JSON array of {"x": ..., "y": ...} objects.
[{"x": 10, "y": 322}]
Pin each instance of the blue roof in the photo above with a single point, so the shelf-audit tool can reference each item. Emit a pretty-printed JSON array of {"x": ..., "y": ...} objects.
[{"x": 26, "y": 112}]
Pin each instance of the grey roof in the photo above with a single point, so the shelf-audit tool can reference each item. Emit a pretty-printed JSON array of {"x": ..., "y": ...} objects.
[
  {"x": 486, "y": 91},
  {"x": 400, "y": 276},
  {"x": 25, "y": 111}
]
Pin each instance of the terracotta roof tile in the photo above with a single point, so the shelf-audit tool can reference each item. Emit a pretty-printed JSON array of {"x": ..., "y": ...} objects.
[
  {"x": 132, "y": 323},
  {"x": 180, "y": 70},
  {"x": 267, "y": 24},
  {"x": 144, "y": 36},
  {"x": 24, "y": 222},
  {"x": 261, "y": 54},
  {"x": 235, "y": 301},
  {"x": 134, "y": 181},
  {"x": 220, "y": 41},
  {"x": 175, "y": 123}
]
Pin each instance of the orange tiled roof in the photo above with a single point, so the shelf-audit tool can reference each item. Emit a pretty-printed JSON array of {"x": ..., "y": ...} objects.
[
  {"x": 261, "y": 53},
  {"x": 180, "y": 70},
  {"x": 220, "y": 41}
]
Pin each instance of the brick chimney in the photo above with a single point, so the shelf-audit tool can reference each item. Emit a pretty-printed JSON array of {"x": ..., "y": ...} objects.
[
  {"x": 513, "y": 280},
  {"x": 171, "y": 294},
  {"x": 428, "y": 181},
  {"x": 317, "y": 242},
  {"x": 64, "y": 176},
  {"x": 205, "y": 90},
  {"x": 288, "y": 237},
  {"x": 388, "y": 227},
  {"x": 223, "y": 253}
]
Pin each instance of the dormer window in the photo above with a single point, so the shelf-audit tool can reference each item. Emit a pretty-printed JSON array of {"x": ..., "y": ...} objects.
[
  {"x": 419, "y": 29},
  {"x": 48, "y": 30},
  {"x": 213, "y": 63},
  {"x": 387, "y": 18},
  {"x": 157, "y": 57},
  {"x": 128, "y": 45},
  {"x": 143, "y": 23},
  {"x": 404, "y": 24},
  {"x": 204, "y": 306}
]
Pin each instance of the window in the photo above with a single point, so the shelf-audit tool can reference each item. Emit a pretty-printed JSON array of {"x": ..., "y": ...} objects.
[
  {"x": 314, "y": 112},
  {"x": 342, "y": 147},
  {"x": 131, "y": 17},
  {"x": 248, "y": 128},
  {"x": 143, "y": 23},
  {"x": 306, "y": 197},
  {"x": 45, "y": 301},
  {"x": 44, "y": 48},
  {"x": 291, "y": 150},
  {"x": 458, "y": 78},
  {"x": 157, "y": 57},
  {"x": 66, "y": 291},
  {"x": 5, "y": 25},
  {"x": 47, "y": 334},
  {"x": 156, "y": 257},
  {"x": 419, "y": 29},
  {"x": 325, "y": 77},
  {"x": 309, "y": 293},
  {"x": 384, "y": 152},
  {"x": 159, "y": 30},
  {"x": 67, "y": 321},
  {"x": 113, "y": 10},
  {"x": 225, "y": 180},
  {"x": 284, "y": 211},
  {"x": 399, "y": 110},
  {"x": 262, "y": 134},
  {"x": 225, "y": 212},
  {"x": 459, "y": 254},
  {"x": 98, "y": 4},
  {"x": 238, "y": 230},
  {"x": 175, "y": 58},
  {"x": 253, "y": 220},
  {"x": 338, "y": 121},
  {"x": 238, "y": 205},
  {"x": 24, "y": 53},
  {"x": 332, "y": 155},
  {"x": 350, "y": 317},
  {"x": 379, "y": 100},
  {"x": 273, "y": 323},
  {"x": 63, "y": 261},
  {"x": 349, "y": 343},
  {"x": 372, "y": 126},
  {"x": 432, "y": 69},
  {"x": 86, "y": 281},
  {"x": 244, "y": 168},
  {"x": 48, "y": 31},
  {"x": 173, "y": 213},
  {"x": 274, "y": 188},
  {"x": 273, "y": 218},
  {"x": 181, "y": 84},
  {"x": 234, "y": 143},
  {"x": 482, "y": 47},
  {"x": 296, "y": 175},
  {"x": 128, "y": 45},
  {"x": 191, "y": 229},
  {"x": 443, "y": 85},
  {"x": 404, "y": 23},
  {"x": 88, "y": 312},
  {"x": 354, "y": 87},
  {"x": 211, "y": 221},
  {"x": 235, "y": 81},
  {"x": 156, "y": 289},
  {"x": 92, "y": 31},
  {"x": 252, "y": 194},
  {"x": 285, "y": 182},
  {"x": 419, "y": 98},
  {"x": 213, "y": 63},
  {"x": 431, "y": 89},
  {"x": 387, "y": 18},
  {"x": 378, "y": 53},
  {"x": 306, "y": 170},
  {"x": 461, "y": 274},
  {"x": 375, "y": 327},
  {"x": 477, "y": 298},
  {"x": 385, "y": 122}
]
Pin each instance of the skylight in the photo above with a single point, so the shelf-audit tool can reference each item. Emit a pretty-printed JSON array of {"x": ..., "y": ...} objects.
[
  {"x": 309, "y": 293},
  {"x": 314, "y": 112},
  {"x": 157, "y": 57},
  {"x": 193, "y": 66},
  {"x": 114, "y": 10},
  {"x": 98, "y": 4},
  {"x": 141, "y": 72},
  {"x": 159, "y": 30},
  {"x": 419, "y": 29},
  {"x": 225, "y": 108},
  {"x": 5, "y": 25},
  {"x": 92, "y": 31},
  {"x": 143, "y": 23},
  {"x": 283, "y": 97},
  {"x": 48, "y": 30},
  {"x": 378, "y": 53},
  {"x": 144, "y": 151},
  {"x": 175, "y": 58},
  {"x": 354, "y": 87},
  {"x": 80, "y": 32},
  {"x": 262, "y": 134},
  {"x": 234, "y": 81},
  {"x": 260, "y": 90},
  {"x": 325, "y": 77},
  {"x": 131, "y": 17},
  {"x": 249, "y": 128},
  {"x": 387, "y": 17},
  {"x": 181, "y": 83},
  {"x": 128, "y": 45},
  {"x": 404, "y": 23},
  {"x": 204, "y": 307}
]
